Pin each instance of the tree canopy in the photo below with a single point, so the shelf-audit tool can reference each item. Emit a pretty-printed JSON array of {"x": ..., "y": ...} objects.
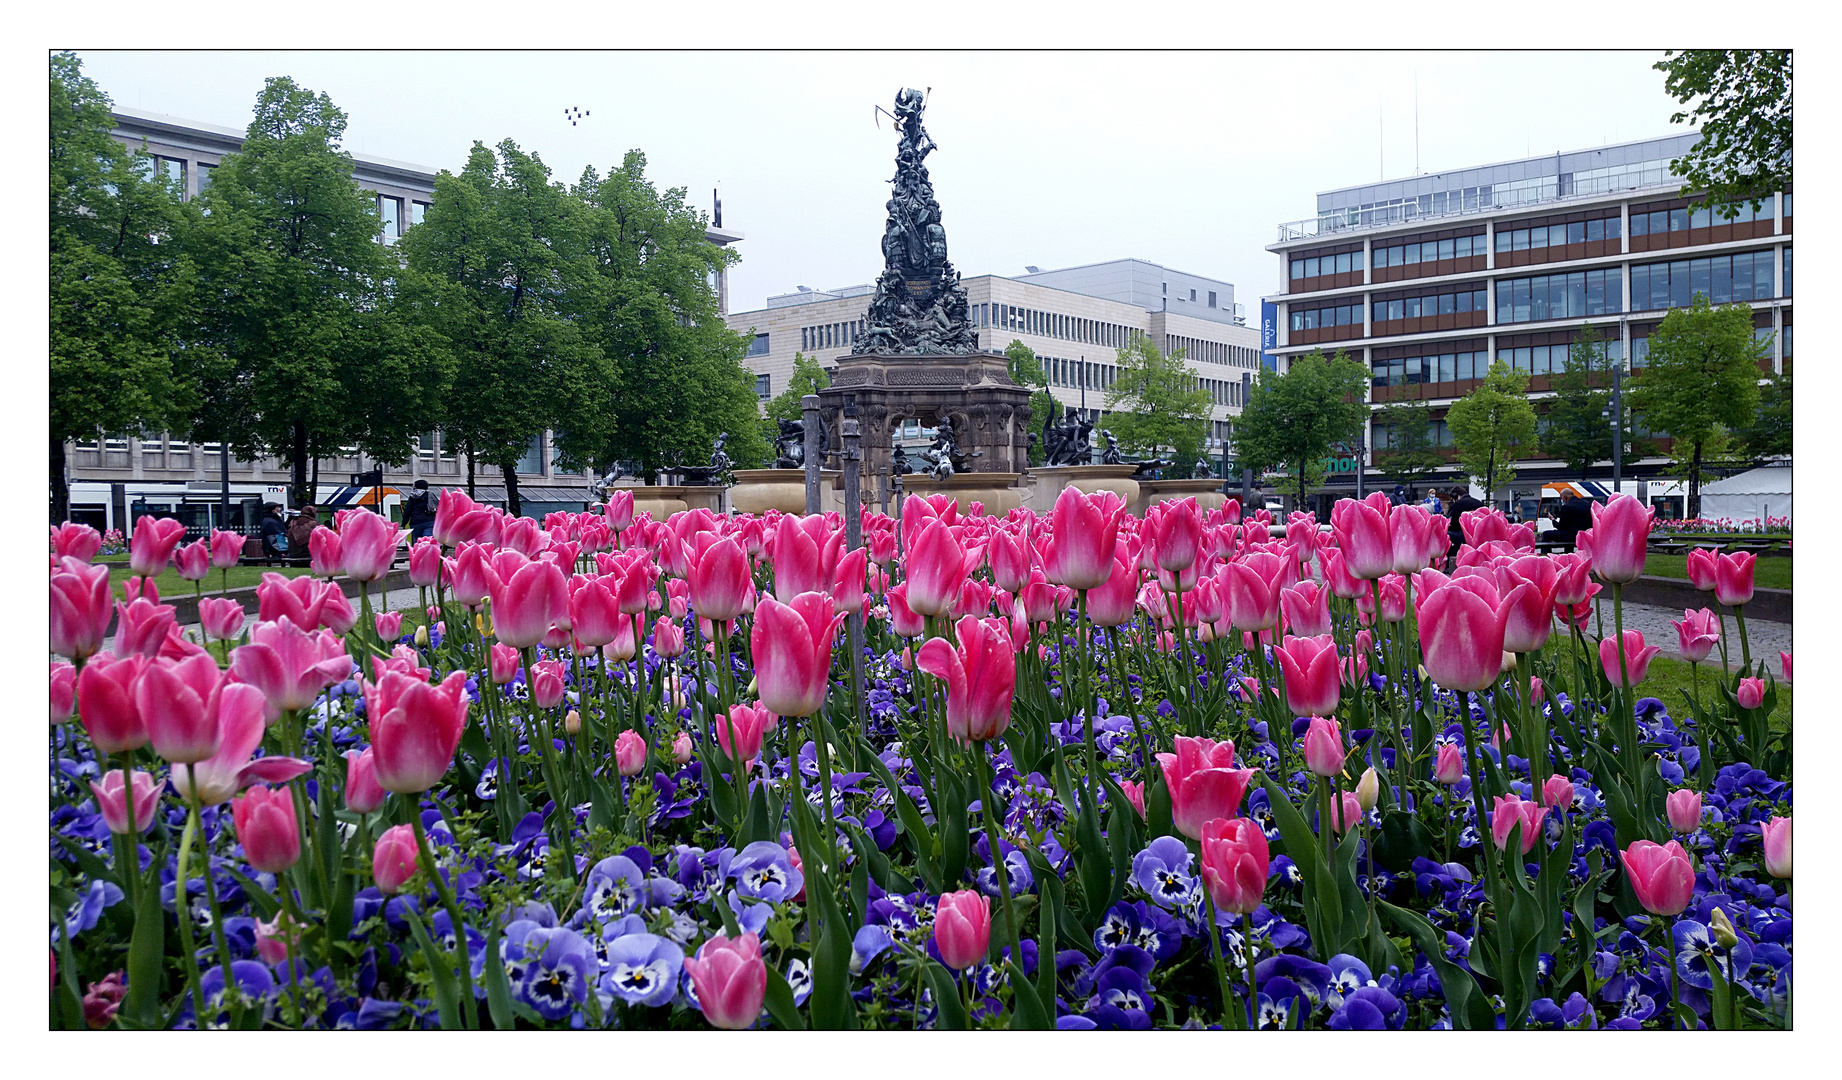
[
  {"x": 1294, "y": 420},
  {"x": 1493, "y": 426},
  {"x": 1579, "y": 432},
  {"x": 1027, "y": 370},
  {"x": 1155, "y": 403},
  {"x": 1741, "y": 101},
  {"x": 1411, "y": 455},
  {"x": 1700, "y": 382}
]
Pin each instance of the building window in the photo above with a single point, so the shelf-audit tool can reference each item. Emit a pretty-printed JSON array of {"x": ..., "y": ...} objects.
[
  {"x": 533, "y": 460},
  {"x": 1211, "y": 299},
  {"x": 1787, "y": 267},
  {"x": 390, "y": 209},
  {"x": 204, "y": 176},
  {"x": 417, "y": 210},
  {"x": 426, "y": 444},
  {"x": 759, "y": 346},
  {"x": 1560, "y": 296},
  {"x": 762, "y": 386},
  {"x": 1723, "y": 279}
]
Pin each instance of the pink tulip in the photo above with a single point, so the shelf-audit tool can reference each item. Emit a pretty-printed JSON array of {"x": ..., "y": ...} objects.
[
  {"x": 1310, "y": 667},
  {"x": 290, "y": 666},
  {"x": 472, "y": 576},
  {"x": 106, "y": 703},
  {"x": 267, "y": 828},
  {"x": 151, "y": 547},
  {"x": 1776, "y": 837},
  {"x": 547, "y": 683},
  {"x": 298, "y": 600},
  {"x": 1528, "y": 604},
  {"x": 902, "y": 619},
  {"x": 667, "y": 638},
  {"x": 1461, "y": 634},
  {"x": 619, "y": 510},
  {"x": 63, "y": 691},
  {"x": 730, "y": 980},
  {"x": 368, "y": 543},
  {"x": 415, "y": 728},
  {"x": 1683, "y": 808},
  {"x": 1337, "y": 577},
  {"x": 1254, "y": 583},
  {"x": 324, "y": 549},
  {"x": 193, "y": 561},
  {"x": 362, "y": 793},
  {"x": 1010, "y": 561},
  {"x": 450, "y": 508},
  {"x": 1135, "y": 794},
  {"x": 720, "y": 582},
  {"x": 1324, "y": 749},
  {"x": 740, "y": 732},
  {"x": 1408, "y": 527},
  {"x": 1112, "y": 602},
  {"x": 1363, "y": 536},
  {"x": 806, "y": 552},
  {"x": 174, "y": 699},
  {"x": 1697, "y": 632},
  {"x": 81, "y": 607},
  {"x": 981, "y": 676},
  {"x": 1307, "y": 608},
  {"x": 792, "y": 649},
  {"x": 847, "y": 585},
  {"x": 935, "y": 570},
  {"x": 239, "y": 715},
  {"x": 1235, "y": 864},
  {"x": 72, "y": 540},
  {"x": 393, "y": 860},
  {"x": 1511, "y": 810},
  {"x": 962, "y": 925},
  {"x": 1621, "y": 530},
  {"x": 1449, "y": 768},
  {"x": 629, "y": 753},
  {"x": 226, "y": 549},
  {"x": 143, "y": 628},
  {"x": 425, "y": 563},
  {"x": 681, "y": 748},
  {"x": 527, "y": 603},
  {"x": 1660, "y": 875},
  {"x": 1784, "y": 665},
  {"x": 1637, "y": 656},
  {"x": 112, "y": 803},
  {"x": 1177, "y": 536},
  {"x": 1751, "y": 693},
  {"x": 1701, "y": 568},
  {"x": 594, "y": 611},
  {"x": 1345, "y": 810},
  {"x": 221, "y": 619},
  {"x": 1084, "y": 529},
  {"x": 1733, "y": 578},
  {"x": 1557, "y": 793}
]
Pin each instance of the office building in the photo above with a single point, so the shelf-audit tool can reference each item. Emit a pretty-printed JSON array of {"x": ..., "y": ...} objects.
[
  {"x": 1427, "y": 279},
  {"x": 1075, "y": 326}
]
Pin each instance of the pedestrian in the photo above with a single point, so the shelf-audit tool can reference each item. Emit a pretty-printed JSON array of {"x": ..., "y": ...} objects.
[
  {"x": 1462, "y": 503},
  {"x": 1433, "y": 504},
  {"x": 419, "y": 511},
  {"x": 300, "y": 530},
  {"x": 274, "y": 532},
  {"x": 1574, "y": 516}
]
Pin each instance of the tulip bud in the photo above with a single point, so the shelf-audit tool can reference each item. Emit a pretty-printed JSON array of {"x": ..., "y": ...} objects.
[
  {"x": 422, "y": 636},
  {"x": 1683, "y": 808},
  {"x": 629, "y": 753},
  {"x": 1751, "y": 693},
  {"x": 1721, "y": 929},
  {"x": 393, "y": 861},
  {"x": 1450, "y": 766},
  {"x": 1367, "y": 788},
  {"x": 1775, "y": 837},
  {"x": 1324, "y": 747},
  {"x": 1557, "y": 793},
  {"x": 572, "y": 722},
  {"x": 681, "y": 748}
]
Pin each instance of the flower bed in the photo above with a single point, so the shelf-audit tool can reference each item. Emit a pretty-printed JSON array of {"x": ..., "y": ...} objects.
[
  {"x": 1723, "y": 526},
  {"x": 1087, "y": 771}
]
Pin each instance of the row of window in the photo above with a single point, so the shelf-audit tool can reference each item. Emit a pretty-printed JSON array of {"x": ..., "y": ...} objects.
[
  {"x": 1076, "y": 373},
  {"x": 1212, "y": 352},
  {"x": 390, "y": 208},
  {"x": 1560, "y": 296},
  {"x": 836, "y": 335},
  {"x": 1321, "y": 265},
  {"x": 1574, "y": 232},
  {"x": 1443, "y": 367},
  {"x": 1723, "y": 279},
  {"x": 1222, "y": 391},
  {"x": 1463, "y": 247},
  {"x": 1682, "y": 218},
  {"x": 1316, "y": 318},
  {"x": 1052, "y": 324},
  {"x": 1415, "y": 307},
  {"x": 1550, "y": 359},
  {"x": 1437, "y": 434}
]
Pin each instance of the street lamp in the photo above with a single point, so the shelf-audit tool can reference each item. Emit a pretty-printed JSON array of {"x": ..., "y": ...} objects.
[{"x": 1616, "y": 412}]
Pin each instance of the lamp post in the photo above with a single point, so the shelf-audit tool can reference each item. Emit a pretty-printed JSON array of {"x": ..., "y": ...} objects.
[{"x": 1616, "y": 412}]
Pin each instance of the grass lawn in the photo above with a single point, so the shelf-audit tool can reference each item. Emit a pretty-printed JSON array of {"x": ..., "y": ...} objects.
[
  {"x": 1769, "y": 572},
  {"x": 1668, "y": 677},
  {"x": 172, "y": 586}
]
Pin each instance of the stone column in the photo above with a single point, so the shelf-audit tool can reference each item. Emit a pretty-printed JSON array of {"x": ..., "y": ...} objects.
[
  {"x": 809, "y": 407},
  {"x": 851, "y": 461}
]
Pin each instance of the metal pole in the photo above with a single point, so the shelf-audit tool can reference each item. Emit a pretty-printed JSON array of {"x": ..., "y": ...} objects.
[
  {"x": 1618, "y": 427},
  {"x": 1247, "y": 475},
  {"x": 852, "y": 461},
  {"x": 809, "y": 408},
  {"x": 1362, "y": 446},
  {"x": 223, "y": 482}
]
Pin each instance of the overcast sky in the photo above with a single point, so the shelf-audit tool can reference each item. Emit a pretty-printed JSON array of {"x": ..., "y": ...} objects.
[{"x": 1049, "y": 159}]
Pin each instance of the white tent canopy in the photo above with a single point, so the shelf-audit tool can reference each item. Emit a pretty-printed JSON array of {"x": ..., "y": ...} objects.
[{"x": 1753, "y": 495}]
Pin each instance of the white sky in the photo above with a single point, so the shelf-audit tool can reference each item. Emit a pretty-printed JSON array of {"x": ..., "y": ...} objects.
[{"x": 1046, "y": 158}]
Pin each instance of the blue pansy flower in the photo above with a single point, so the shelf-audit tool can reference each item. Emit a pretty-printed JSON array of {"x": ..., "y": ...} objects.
[
  {"x": 764, "y": 871},
  {"x": 87, "y": 908},
  {"x": 642, "y": 969},
  {"x": 557, "y": 966},
  {"x": 1162, "y": 870}
]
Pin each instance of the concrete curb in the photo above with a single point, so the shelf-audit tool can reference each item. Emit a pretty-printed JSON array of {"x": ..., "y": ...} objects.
[
  {"x": 185, "y": 605},
  {"x": 1772, "y": 605}
]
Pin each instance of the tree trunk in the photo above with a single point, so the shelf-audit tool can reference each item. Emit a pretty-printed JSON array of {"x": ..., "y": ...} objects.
[
  {"x": 297, "y": 462},
  {"x": 511, "y": 488},
  {"x": 313, "y": 486},
  {"x": 60, "y": 486},
  {"x": 1694, "y": 506},
  {"x": 471, "y": 493}
]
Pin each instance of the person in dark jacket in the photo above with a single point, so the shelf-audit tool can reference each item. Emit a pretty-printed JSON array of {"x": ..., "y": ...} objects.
[
  {"x": 1574, "y": 517},
  {"x": 1461, "y": 503},
  {"x": 274, "y": 532},
  {"x": 419, "y": 511}
]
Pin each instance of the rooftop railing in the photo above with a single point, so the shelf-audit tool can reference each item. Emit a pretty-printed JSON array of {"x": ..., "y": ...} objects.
[{"x": 1502, "y": 197}]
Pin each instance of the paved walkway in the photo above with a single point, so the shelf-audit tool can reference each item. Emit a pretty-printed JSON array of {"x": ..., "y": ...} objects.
[{"x": 1768, "y": 638}]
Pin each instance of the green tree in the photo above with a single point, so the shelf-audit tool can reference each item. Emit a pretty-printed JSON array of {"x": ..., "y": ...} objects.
[
  {"x": 1412, "y": 455},
  {"x": 1027, "y": 370},
  {"x": 500, "y": 267},
  {"x": 1293, "y": 421},
  {"x": 120, "y": 286},
  {"x": 808, "y": 377},
  {"x": 1769, "y": 435},
  {"x": 1741, "y": 101},
  {"x": 1493, "y": 426},
  {"x": 307, "y": 349},
  {"x": 1155, "y": 403},
  {"x": 1578, "y": 433},
  {"x": 1701, "y": 378},
  {"x": 654, "y": 314}
]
